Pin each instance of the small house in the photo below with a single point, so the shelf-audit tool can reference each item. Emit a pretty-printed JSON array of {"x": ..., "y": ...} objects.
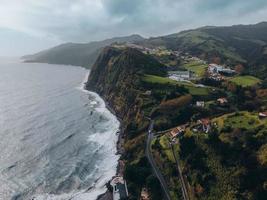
[
  {"x": 148, "y": 92},
  {"x": 200, "y": 104},
  {"x": 205, "y": 125},
  {"x": 120, "y": 191},
  {"x": 222, "y": 101},
  {"x": 263, "y": 114},
  {"x": 177, "y": 131},
  {"x": 214, "y": 68},
  {"x": 181, "y": 75}
]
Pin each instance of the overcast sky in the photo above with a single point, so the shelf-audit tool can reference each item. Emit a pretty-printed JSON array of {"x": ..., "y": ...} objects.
[{"x": 27, "y": 26}]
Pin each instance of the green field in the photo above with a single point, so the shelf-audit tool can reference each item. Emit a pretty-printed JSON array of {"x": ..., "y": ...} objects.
[
  {"x": 197, "y": 67},
  {"x": 166, "y": 161},
  {"x": 245, "y": 81},
  {"x": 165, "y": 146},
  {"x": 193, "y": 90},
  {"x": 245, "y": 120},
  {"x": 160, "y": 80}
]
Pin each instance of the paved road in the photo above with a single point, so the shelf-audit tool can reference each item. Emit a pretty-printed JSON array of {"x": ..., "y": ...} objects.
[
  {"x": 184, "y": 188},
  {"x": 152, "y": 162}
]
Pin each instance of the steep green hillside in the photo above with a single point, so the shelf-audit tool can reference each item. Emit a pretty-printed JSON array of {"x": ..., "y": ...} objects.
[
  {"x": 245, "y": 44},
  {"x": 230, "y": 162},
  {"x": 77, "y": 54},
  {"x": 135, "y": 87},
  {"x": 117, "y": 74},
  {"x": 227, "y": 163},
  {"x": 117, "y": 77}
]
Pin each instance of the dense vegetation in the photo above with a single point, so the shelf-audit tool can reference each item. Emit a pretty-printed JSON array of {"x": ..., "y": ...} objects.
[
  {"x": 123, "y": 89},
  {"x": 228, "y": 162},
  {"x": 242, "y": 44},
  {"x": 136, "y": 88}
]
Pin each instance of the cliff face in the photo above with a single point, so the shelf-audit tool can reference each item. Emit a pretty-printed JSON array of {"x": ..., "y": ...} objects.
[
  {"x": 117, "y": 74},
  {"x": 117, "y": 77}
]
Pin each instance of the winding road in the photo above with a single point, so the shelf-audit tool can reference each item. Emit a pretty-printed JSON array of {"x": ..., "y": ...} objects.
[
  {"x": 156, "y": 170},
  {"x": 152, "y": 162},
  {"x": 184, "y": 188}
]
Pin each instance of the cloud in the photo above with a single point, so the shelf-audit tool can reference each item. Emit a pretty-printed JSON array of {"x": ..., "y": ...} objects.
[
  {"x": 87, "y": 20},
  {"x": 123, "y": 7},
  {"x": 15, "y": 43}
]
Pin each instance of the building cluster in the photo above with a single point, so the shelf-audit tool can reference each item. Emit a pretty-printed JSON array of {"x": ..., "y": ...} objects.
[
  {"x": 203, "y": 125},
  {"x": 188, "y": 59},
  {"x": 218, "y": 72},
  {"x": 159, "y": 51}
]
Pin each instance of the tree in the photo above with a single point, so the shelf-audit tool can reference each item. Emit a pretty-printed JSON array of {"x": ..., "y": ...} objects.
[
  {"x": 239, "y": 69},
  {"x": 216, "y": 60},
  {"x": 154, "y": 187}
]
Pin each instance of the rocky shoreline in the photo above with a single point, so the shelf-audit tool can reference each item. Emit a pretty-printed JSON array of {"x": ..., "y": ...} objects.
[{"x": 120, "y": 150}]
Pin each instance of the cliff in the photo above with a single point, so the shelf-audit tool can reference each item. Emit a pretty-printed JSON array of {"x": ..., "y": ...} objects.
[{"x": 117, "y": 76}]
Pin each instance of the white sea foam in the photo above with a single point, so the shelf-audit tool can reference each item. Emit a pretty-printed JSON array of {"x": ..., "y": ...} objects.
[
  {"x": 108, "y": 141},
  {"x": 37, "y": 132}
]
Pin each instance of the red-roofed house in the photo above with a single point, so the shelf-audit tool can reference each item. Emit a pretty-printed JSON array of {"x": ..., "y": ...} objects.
[
  {"x": 263, "y": 114},
  {"x": 177, "y": 131},
  {"x": 205, "y": 125},
  {"x": 222, "y": 101}
]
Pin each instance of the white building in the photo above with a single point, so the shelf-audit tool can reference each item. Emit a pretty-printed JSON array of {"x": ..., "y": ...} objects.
[
  {"x": 120, "y": 191},
  {"x": 181, "y": 75},
  {"x": 200, "y": 104},
  {"x": 215, "y": 69}
]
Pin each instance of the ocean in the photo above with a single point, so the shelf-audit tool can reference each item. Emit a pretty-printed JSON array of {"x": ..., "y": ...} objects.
[{"x": 57, "y": 140}]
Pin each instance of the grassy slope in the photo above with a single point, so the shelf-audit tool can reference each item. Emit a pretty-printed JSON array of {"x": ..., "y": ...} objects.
[
  {"x": 197, "y": 67},
  {"x": 166, "y": 161},
  {"x": 221, "y": 180},
  {"x": 242, "y": 120},
  {"x": 232, "y": 45},
  {"x": 163, "y": 80},
  {"x": 245, "y": 81}
]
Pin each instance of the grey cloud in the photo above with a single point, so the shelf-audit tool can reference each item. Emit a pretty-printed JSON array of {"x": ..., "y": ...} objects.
[
  {"x": 123, "y": 7},
  {"x": 87, "y": 20}
]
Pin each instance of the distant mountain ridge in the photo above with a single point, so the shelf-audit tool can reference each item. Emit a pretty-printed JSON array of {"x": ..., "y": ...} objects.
[
  {"x": 77, "y": 54},
  {"x": 232, "y": 45},
  {"x": 238, "y": 44}
]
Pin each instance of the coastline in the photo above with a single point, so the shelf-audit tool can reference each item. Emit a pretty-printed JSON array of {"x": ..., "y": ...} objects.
[
  {"x": 119, "y": 146},
  {"x": 120, "y": 167},
  {"x": 98, "y": 188}
]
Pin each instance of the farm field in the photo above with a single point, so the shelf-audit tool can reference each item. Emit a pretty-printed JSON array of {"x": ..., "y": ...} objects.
[
  {"x": 193, "y": 90},
  {"x": 245, "y": 81},
  {"x": 241, "y": 120},
  {"x": 197, "y": 67}
]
